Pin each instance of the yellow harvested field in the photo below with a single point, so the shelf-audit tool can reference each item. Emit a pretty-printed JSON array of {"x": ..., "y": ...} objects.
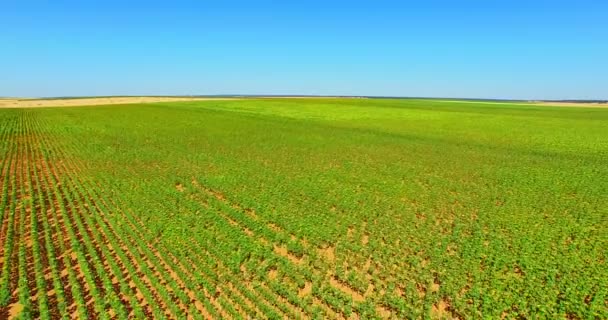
[{"x": 42, "y": 103}]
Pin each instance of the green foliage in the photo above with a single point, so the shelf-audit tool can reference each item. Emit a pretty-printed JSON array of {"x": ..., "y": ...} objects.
[{"x": 271, "y": 208}]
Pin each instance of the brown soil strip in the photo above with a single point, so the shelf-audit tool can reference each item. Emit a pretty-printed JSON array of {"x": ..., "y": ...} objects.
[
  {"x": 532, "y": 103},
  {"x": 250, "y": 305},
  {"x": 300, "y": 314},
  {"x": 72, "y": 268},
  {"x": 58, "y": 232},
  {"x": 365, "y": 239},
  {"x": 13, "y": 258},
  {"x": 383, "y": 312},
  {"x": 306, "y": 291},
  {"x": 30, "y": 268},
  {"x": 71, "y": 214},
  {"x": 571, "y": 104},
  {"x": 357, "y": 297},
  {"x": 327, "y": 309},
  {"x": 43, "y": 103},
  {"x": 282, "y": 251},
  {"x": 10, "y": 172},
  {"x": 440, "y": 310},
  {"x": 329, "y": 253}
]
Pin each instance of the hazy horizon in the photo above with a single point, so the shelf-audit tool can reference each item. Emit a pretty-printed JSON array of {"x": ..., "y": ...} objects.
[
  {"x": 298, "y": 95},
  {"x": 545, "y": 50}
]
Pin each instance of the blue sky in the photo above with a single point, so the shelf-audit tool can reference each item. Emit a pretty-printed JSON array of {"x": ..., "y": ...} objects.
[{"x": 521, "y": 49}]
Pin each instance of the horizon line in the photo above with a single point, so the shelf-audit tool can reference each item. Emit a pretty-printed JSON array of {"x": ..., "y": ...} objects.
[{"x": 310, "y": 96}]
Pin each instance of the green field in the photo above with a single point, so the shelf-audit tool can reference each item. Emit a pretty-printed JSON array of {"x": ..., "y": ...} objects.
[{"x": 304, "y": 208}]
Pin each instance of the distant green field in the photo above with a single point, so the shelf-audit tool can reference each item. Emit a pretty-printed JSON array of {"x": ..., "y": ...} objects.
[{"x": 305, "y": 208}]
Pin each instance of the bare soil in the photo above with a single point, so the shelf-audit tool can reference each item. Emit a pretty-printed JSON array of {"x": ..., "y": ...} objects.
[
  {"x": 43, "y": 103},
  {"x": 532, "y": 103},
  {"x": 573, "y": 104}
]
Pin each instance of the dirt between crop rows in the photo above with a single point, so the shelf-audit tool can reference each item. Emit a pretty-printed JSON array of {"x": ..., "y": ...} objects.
[{"x": 43, "y": 103}]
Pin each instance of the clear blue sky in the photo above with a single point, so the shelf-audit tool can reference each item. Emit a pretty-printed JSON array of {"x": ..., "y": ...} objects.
[{"x": 481, "y": 49}]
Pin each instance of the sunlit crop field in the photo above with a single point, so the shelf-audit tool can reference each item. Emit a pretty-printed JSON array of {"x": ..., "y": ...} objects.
[{"x": 304, "y": 208}]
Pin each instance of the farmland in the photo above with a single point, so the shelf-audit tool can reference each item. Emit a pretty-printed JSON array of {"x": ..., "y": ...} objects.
[{"x": 304, "y": 208}]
